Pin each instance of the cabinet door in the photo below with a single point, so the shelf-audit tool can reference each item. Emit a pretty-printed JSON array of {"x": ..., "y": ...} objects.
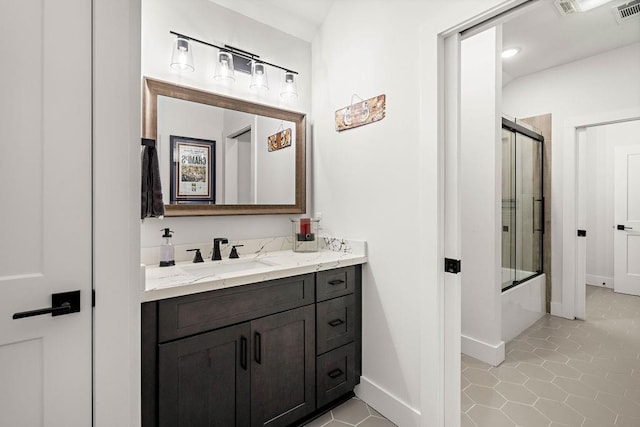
[
  {"x": 205, "y": 380},
  {"x": 283, "y": 367}
]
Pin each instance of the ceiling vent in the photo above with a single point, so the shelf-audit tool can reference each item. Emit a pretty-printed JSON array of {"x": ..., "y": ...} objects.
[
  {"x": 566, "y": 7},
  {"x": 627, "y": 11}
]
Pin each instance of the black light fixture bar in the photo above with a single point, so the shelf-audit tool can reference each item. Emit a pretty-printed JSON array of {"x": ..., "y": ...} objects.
[{"x": 234, "y": 51}]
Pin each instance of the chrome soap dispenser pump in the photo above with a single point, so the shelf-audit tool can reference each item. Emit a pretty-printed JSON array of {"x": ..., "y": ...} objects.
[{"x": 167, "y": 252}]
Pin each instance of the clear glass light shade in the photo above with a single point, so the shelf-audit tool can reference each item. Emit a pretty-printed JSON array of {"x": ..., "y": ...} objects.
[
  {"x": 259, "y": 76},
  {"x": 289, "y": 89},
  {"x": 224, "y": 67},
  {"x": 182, "y": 56}
]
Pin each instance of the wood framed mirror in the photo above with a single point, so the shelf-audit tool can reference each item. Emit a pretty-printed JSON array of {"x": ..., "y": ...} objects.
[{"x": 259, "y": 150}]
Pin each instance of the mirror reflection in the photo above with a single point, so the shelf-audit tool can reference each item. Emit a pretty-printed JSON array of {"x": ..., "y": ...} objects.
[{"x": 220, "y": 155}]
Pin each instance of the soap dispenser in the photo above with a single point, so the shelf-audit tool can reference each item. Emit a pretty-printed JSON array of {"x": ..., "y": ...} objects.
[{"x": 167, "y": 252}]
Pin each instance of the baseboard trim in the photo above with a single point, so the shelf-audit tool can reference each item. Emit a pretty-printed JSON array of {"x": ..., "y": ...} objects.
[
  {"x": 556, "y": 309},
  {"x": 595, "y": 280},
  {"x": 397, "y": 411},
  {"x": 491, "y": 354}
]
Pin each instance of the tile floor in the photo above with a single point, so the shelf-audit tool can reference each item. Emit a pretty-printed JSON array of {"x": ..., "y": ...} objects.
[
  {"x": 353, "y": 412},
  {"x": 563, "y": 372}
]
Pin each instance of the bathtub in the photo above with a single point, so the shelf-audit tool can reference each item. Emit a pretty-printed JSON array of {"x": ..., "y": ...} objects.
[{"x": 523, "y": 304}]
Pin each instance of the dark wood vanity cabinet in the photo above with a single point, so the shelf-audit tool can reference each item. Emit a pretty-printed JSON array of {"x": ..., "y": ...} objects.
[
  {"x": 204, "y": 380},
  {"x": 283, "y": 362},
  {"x": 265, "y": 354}
]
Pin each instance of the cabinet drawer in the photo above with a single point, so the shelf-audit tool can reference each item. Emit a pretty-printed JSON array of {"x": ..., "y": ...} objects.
[
  {"x": 335, "y": 283},
  {"x": 337, "y": 374},
  {"x": 336, "y": 323},
  {"x": 192, "y": 314}
]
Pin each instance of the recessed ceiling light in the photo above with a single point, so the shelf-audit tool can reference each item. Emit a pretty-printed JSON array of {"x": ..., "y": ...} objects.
[
  {"x": 508, "y": 53},
  {"x": 585, "y": 5}
]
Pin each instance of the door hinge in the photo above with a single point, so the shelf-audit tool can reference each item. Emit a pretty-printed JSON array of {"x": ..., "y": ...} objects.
[
  {"x": 582, "y": 233},
  {"x": 452, "y": 265},
  {"x": 93, "y": 297}
]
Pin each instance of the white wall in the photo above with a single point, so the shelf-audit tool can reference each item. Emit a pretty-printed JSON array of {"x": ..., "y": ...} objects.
[
  {"x": 602, "y": 83},
  {"x": 600, "y": 148},
  {"x": 380, "y": 183},
  {"x": 207, "y": 21},
  {"x": 481, "y": 195},
  {"x": 116, "y": 211},
  {"x": 276, "y": 172}
]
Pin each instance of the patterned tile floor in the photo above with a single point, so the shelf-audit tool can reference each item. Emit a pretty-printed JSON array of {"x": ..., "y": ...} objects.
[
  {"x": 563, "y": 372},
  {"x": 353, "y": 412}
]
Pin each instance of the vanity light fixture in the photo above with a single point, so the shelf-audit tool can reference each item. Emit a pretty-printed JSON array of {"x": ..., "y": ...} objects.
[
  {"x": 259, "y": 78},
  {"x": 289, "y": 89},
  {"x": 224, "y": 66},
  {"x": 182, "y": 56},
  {"x": 230, "y": 59},
  {"x": 511, "y": 52}
]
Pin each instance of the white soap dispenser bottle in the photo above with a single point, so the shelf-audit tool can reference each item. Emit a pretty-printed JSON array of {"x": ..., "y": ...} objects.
[{"x": 167, "y": 252}]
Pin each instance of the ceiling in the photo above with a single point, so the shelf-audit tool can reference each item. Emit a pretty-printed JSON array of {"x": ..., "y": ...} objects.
[
  {"x": 546, "y": 37},
  {"x": 300, "y": 18}
]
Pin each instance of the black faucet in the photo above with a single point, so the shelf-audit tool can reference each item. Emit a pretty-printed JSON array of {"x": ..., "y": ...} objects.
[{"x": 216, "y": 248}]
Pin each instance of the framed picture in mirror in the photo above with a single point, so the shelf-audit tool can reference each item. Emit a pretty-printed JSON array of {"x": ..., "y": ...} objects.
[{"x": 192, "y": 170}]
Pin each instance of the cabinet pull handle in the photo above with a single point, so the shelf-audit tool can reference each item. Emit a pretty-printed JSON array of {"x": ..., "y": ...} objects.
[
  {"x": 336, "y": 322},
  {"x": 335, "y": 373},
  {"x": 336, "y": 282},
  {"x": 257, "y": 343},
  {"x": 243, "y": 353}
]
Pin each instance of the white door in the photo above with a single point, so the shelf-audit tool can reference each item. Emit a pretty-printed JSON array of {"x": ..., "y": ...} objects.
[
  {"x": 45, "y": 211},
  {"x": 626, "y": 243},
  {"x": 581, "y": 224}
]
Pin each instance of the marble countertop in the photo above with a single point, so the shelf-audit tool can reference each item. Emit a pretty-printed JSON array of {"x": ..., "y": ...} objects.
[{"x": 188, "y": 278}]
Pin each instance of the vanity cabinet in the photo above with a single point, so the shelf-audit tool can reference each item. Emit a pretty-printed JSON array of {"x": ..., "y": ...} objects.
[
  {"x": 265, "y": 354},
  {"x": 283, "y": 362},
  {"x": 338, "y": 328},
  {"x": 205, "y": 380}
]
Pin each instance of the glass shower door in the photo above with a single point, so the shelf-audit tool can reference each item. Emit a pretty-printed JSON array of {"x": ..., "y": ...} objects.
[
  {"x": 508, "y": 209},
  {"x": 522, "y": 204},
  {"x": 528, "y": 182}
]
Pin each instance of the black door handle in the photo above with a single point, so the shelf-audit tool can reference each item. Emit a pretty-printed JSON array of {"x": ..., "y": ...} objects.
[
  {"x": 336, "y": 282},
  {"x": 257, "y": 343},
  {"x": 243, "y": 353},
  {"x": 61, "y": 303},
  {"x": 335, "y": 373},
  {"x": 623, "y": 227},
  {"x": 336, "y": 322}
]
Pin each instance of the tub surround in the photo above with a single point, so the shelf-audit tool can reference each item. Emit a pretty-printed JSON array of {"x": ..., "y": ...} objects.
[
  {"x": 522, "y": 306},
  {"x": 265, "y": 259}
]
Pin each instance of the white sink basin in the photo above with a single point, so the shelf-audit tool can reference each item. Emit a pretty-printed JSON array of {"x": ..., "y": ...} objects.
[{"x": 214, "y": 268}]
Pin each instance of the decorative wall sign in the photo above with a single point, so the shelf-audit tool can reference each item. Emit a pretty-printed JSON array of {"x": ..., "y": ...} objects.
[
  {"x": 361, "y": 113},
  {"x": 192, "y": 169},
  {"x": 279, "y": 140}
]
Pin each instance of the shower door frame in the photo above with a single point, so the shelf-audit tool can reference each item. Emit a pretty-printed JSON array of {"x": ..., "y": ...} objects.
[{"x": 519, "y": 129}]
